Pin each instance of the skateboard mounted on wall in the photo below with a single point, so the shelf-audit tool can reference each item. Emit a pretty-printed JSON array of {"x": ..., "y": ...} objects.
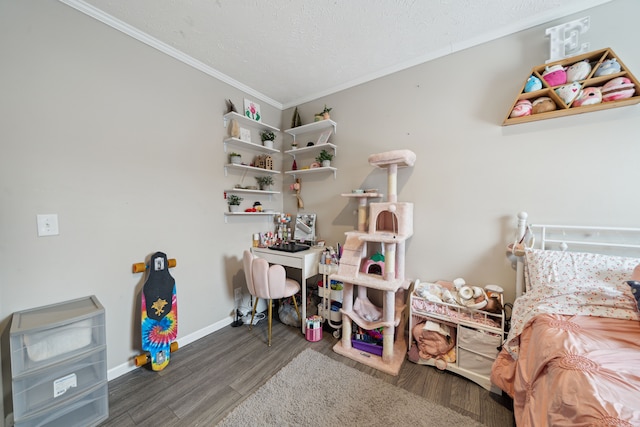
[{"x": 159, "y": 312}]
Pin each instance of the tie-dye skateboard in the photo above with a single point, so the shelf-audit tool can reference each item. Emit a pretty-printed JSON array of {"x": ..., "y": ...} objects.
[{"x": 159, "y": 312}]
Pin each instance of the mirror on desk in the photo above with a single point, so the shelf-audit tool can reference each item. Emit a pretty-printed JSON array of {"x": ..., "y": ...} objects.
[{"x": 305, "y": 229}]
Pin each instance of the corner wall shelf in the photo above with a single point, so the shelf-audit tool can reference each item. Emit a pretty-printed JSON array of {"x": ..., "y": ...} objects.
[
  {"x": 247, "y": 121},
  {"x": 254, "y": 214},
  {"x": 313, "y": 170},
  {"x": 313, "y": 127},
  {"x": 249, "y": 190},
  {"x": 303, "y": 150},
  {"x": 249, "y": 145},
  {"x": 248, "y": 168}
]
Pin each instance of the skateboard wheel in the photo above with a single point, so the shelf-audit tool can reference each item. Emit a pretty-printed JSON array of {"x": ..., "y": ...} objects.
[
  {"x": 139, "y": 267},
  {"x": 174, "y": 346},
  {"x": 172, "y": 262},
  {"x": 141, "y": 359}
]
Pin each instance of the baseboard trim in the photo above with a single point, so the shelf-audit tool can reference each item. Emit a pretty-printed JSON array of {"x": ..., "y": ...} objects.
[{"x": 120, "y": 370}]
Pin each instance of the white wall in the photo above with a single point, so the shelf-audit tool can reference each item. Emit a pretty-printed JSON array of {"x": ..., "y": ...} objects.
[
  {"x": 472, "y": 175},
  {"x": 124, "y": 144}
]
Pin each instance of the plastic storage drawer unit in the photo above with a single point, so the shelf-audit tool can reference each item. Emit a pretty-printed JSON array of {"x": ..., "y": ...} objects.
[{"x": 58, "y": 364}]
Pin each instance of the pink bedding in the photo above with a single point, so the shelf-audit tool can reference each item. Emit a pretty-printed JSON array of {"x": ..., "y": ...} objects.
[
  {"x": 574, "y": 371},
  {"x": 572, "y": 356}
]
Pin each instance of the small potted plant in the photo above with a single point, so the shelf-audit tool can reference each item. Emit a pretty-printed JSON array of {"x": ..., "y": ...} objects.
[
  {"x": 265, "y": 182},
  {"x": 234, "y": 202},
  {"x": 235, "y": 158},
  {"x": 324, "y": 158},
  {"x": 323, "y": 115},
  {"x": 267, "y": 138}
]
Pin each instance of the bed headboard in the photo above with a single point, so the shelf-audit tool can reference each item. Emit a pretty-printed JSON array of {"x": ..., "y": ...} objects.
[{"x": 621, "y": 241}]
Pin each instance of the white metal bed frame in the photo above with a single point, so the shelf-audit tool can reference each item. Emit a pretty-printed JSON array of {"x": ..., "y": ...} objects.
[{"x": 621, "y": 241}]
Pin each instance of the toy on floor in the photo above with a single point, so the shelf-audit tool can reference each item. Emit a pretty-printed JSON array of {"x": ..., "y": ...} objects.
[
  {"x": 159, "y": 312},
  {"x": 435, "y": 341}
]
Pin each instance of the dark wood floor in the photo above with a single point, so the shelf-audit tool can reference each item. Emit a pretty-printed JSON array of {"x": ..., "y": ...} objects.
[{"x": 208, "y": 378}]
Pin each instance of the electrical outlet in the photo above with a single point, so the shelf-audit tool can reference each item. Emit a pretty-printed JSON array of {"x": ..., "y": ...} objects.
[{"x": 48, "y": 225}]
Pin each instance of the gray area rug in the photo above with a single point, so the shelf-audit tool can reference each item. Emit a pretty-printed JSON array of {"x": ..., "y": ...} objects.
[{"x": 315, "y": 390}]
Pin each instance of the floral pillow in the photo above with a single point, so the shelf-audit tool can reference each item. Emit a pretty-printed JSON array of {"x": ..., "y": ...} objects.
[{"x": 545, "y": 267}]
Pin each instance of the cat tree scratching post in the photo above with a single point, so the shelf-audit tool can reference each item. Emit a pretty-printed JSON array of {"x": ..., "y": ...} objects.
[{"x": 390, "y": 225}]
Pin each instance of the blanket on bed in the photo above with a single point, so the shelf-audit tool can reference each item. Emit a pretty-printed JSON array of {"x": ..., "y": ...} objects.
[
  {"x": 572, "y": 356},
  {"x": 574, "y": 371}
]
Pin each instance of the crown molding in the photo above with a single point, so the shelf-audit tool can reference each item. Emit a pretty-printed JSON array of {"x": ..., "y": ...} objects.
[{"x": 145, "y": 38}]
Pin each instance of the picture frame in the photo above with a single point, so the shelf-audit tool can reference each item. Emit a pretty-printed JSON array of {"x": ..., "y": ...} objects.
[
  {"x": 324, "y": 137},
  {"x": 245, "y": 134},
  {"x": 252, "y": 110}
]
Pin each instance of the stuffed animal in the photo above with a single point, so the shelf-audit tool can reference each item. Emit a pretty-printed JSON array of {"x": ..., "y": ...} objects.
[
  {"x": 542, "y": 105},
  {"x": 588, "y": 96},
  {"x": 635, "y": 284},
  {"x": 568, "y": 92},
  {"x": 435, "y": 341},
  {"x": 618, "y": 88},
  {"x": 555, "y": 75},
  {"x": 610, "y": 66},
  {"x": 578, "y": 71},
  {"x": 533, "y": 83},
  {"x": 522, "y": 108}
]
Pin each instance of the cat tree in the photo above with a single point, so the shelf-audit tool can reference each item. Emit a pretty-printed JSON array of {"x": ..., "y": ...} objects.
[{"x": 390, "y": 225}]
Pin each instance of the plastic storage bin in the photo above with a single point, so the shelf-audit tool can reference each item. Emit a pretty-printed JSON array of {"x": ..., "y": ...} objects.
[
  {"x": 46, "y": 335},
  {"x": 87, "y": 409},
  {"x": 43, "y": 389}
]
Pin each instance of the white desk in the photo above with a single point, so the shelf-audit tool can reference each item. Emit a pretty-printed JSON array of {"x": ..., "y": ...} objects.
[{"x": 306, "y": 261}]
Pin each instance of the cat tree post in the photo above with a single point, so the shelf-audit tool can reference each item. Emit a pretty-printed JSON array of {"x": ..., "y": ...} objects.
[{"x": 390, "y": 225}]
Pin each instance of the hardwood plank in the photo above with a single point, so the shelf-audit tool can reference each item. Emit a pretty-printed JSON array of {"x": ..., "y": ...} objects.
[{"x": 208, "y": 378}]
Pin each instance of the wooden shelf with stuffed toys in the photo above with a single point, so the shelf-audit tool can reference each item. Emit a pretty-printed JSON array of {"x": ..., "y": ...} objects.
[{"x": 585, "y": 83}]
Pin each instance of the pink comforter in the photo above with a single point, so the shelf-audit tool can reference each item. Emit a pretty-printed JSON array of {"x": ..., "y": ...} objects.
[{"x": 574, "y": 371}]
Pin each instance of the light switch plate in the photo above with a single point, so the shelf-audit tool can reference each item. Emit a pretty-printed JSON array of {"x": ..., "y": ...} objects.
[{"x": 48, "y": 225}]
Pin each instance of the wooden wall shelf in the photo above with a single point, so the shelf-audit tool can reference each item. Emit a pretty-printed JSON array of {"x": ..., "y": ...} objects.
[{"x": 596, "y": 58}]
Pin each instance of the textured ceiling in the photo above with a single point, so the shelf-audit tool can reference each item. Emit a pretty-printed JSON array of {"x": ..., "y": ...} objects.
[{"x": 286, "y": 52}]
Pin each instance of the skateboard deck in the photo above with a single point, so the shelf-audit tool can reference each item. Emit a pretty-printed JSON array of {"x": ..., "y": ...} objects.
[{"x": 159, "y": 312}]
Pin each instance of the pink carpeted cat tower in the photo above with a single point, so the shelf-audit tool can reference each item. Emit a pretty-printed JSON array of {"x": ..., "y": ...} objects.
[{"x": 390, "y": 225}]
